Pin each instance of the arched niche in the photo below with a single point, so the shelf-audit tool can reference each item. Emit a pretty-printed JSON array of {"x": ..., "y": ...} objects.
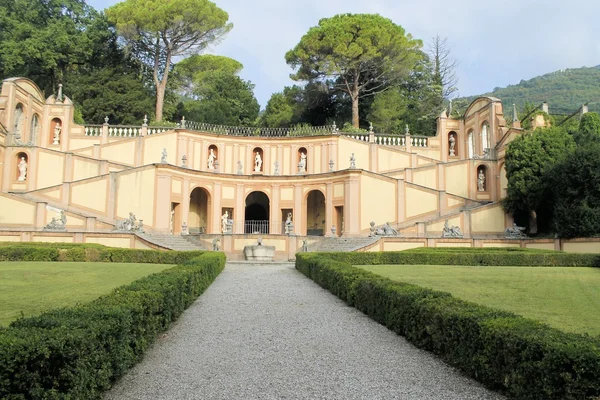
[
  {"x": 471, "y": 143},
  {"x": 19, "y": 119},
  {"x": 34, "y": 129},
  {"x": 485, "y": 137},
  {"x": 452, "y": 144},
  {"x": 199, "y": 212},
  {"x": 213, "y": 156},
  {"x": 258, "y": 159},
  {"x": 22, "y": 167},
  {"x": 302, "y": 160},
  {"x": 56, "y": 129},
  {"x": 482, "y": 178},
  {"x": 315, "y": 213},
  {"x": 257, "y": 213}
]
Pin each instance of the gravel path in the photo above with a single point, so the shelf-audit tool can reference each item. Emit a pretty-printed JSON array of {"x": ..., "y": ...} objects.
[{"x": 268, "y": 332}]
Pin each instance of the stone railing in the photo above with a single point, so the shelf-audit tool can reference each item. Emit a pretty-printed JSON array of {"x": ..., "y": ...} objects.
[
  {"x": 92, "y": 130},
  {"x": 257, "y": 131},
  {"x": 124, "y": 130},
  {"x": 389, "y": 140}
]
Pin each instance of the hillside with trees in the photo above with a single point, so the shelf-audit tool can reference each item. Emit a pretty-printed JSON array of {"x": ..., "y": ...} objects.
[{"x": 564, "y": 90}]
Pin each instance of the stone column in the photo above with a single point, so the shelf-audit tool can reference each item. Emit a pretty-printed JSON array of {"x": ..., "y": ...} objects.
[
  {"x": 275, "y": 211},
  {"x": 216, "y": 225},
  {"x": 329, "y": 209},
  {"x": 351, "y": 206},
  {"x": 90, "y": 224},
  {"x": 239, "y": 211},
  {"x": 139, "y": 152},
  {"x": 40, "y": 215},
  {"x": 298, "y": 217},
  {"x": 104, "y": 136},
  {"x": 185, "y": 200}
]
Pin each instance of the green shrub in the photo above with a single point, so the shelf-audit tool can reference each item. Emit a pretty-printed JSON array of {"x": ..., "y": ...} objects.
[
  {"x": 523, "y": 358},
  {"x": 77, "y": 352},
  {"x": 470, "y": 257}
]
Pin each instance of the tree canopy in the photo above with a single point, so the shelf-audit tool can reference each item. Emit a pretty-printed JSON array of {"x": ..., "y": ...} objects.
[
  {"x": 159, "y": 31},
  {"x": 358, "y": 54}
]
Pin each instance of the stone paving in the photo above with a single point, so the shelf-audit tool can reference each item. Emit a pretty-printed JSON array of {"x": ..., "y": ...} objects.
[{"x": 264, "y": 331}]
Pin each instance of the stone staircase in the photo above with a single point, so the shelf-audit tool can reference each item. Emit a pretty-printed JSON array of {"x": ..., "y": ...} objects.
[
  {"x": 342, "y": 244},
  {"x": 172, "y": 242}
]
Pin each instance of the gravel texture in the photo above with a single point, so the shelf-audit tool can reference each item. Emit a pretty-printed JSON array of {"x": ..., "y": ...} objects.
[{"x": 267, "y": 332}]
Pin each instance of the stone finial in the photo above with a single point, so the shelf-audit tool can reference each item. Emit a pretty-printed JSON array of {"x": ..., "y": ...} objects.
[
  {"x": 334, "y": 129},
  {"x": 371, "y": 128},
  {"x": 515, "y": 115},
  {"x": 450, "y": 108},
  {"x": 59, "y": 97},
  {"x": 145, "y": 120},
  {"x": 106, "y": 120},
  {"x": 182, "y": 124},
  {"x": 406, "y": 130}
]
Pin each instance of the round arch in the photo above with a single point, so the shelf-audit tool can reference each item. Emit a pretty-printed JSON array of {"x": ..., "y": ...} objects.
[
  {"x": 199, "y": 216},
  {"x": 315, "y": 213},
  {"x": 257, "y": 213}
]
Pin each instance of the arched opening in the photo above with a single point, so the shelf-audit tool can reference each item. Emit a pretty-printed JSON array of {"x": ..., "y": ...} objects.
[
  {"x": 452, "y": 140},
  {"x": 256, "y": 215},
  {"x": 315, "y": 213},
  {"x": 19, "y": 118},
  {"x": 213, "y": 156},
  {"x": 22, "y": 171},
  {"x": 55, "y": 131},
  {"x": 485, "y": 138},
  {"x": 302, "y": 160},
  {"x": 258, "y": 159},
  {"x": 198, "y": 217},
  {"x": 471, "y": 143},
  {"x": 34, "y": 129},
  {"x": 482, "y": 178}
]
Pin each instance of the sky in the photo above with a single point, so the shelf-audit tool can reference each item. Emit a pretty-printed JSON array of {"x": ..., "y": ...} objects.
[{"x": 496, "y": 43}]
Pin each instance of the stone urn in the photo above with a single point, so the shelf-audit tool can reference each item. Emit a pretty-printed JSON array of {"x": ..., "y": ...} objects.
[{"x": 258, "y": 252}]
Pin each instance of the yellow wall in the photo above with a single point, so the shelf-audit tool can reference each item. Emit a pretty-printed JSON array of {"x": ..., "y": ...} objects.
[
  {"x": 83, "y": 168},
  {"x": 490, "y": 219},
  {"x": 122, "y": 152},
  {"x": 110, "y": 241},
  {"x": 457, "y": 179},
  {"x": 399, "y": 246},
  {"x": 389, "y": 160},
  {"x": 541, "y": 246},
  {"x": 492, "y": 244},
  {"x": 452, "y": 244},
  {"x": 50, "y": 169},
  {"x": 316, "y": 162},
  {"x": 136, "y": 195},
  {"x": 90, "y": 195},
  {"x": 53, "y": 194},
  {"x": 287, "y": 194},
  {"x": 378, "y": 201},
  {"x": 426, "y": 152},
  {"x": 10, "y": 238},
  {"x": 75, "y": 144},
  {"x": 53, "y": 239},
  {"x": 16, "y": 212},
  {"x": 581, "y": 247},
  {"x": 420, "y": 202},
  {"x": 154, "y": 145},
  {"x": 345, "y": 149},
  {"x": 425, "y": 177},
  {"x": 228, "y": 192}
]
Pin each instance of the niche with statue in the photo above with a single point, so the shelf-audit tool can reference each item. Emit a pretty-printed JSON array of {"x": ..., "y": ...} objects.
[
  {"x": 213, "y": 157},
  {"x": 258, "y": 160},
  {"x": 56, "y": 129}
]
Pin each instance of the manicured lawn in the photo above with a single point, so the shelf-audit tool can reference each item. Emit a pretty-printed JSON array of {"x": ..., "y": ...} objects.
[
  {"x": 33, "y": 287},
  {"x": 565, "y": 298}
]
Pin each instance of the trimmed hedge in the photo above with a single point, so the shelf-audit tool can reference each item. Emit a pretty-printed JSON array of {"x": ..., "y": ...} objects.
[
  {"x": 78, "y": 352},
  {"x": 520, "y": 357},
  {"x": 489, "y": 257},
  {"x": 93, "y": 253}
]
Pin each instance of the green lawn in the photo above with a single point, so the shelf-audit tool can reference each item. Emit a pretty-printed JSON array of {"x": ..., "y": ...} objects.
[
  {"x": 567, "y": 298},
  {"x": 33, "y": 287}
]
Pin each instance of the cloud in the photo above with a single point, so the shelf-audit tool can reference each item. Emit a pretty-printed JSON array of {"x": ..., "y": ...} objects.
[{"x": 496, "y": 44}]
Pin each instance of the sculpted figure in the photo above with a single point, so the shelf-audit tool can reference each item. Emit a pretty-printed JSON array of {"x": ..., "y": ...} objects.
[
  {"x": 211, "y": 159},
  {"x": 352, "y": 161},
  {"x": 289, "y": 224},
  {"x": 22, "y": 169},
  {"x": 481, "y": 181},
  {"x": 57, "y": 129},
  {"x": 224, "y": 221},
  {"x": 257, "y": 162},
  {"x": 240, "y": 170},
  {"x": 302, "y": 163},
  {"x": 215, "y": 244},
  {"x": 451, "y": 231},
  {"x": 163, "y": 158},
  {"x": 452, "y": 141}
]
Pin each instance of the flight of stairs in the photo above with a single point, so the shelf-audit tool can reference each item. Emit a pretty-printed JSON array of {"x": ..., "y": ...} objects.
[
  {"x": 172, "y": 242},
  {"x": 342, "y": 244}
]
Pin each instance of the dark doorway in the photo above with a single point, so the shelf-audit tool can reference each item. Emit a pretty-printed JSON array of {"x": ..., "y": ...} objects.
[{"x": 256, "y": 215}]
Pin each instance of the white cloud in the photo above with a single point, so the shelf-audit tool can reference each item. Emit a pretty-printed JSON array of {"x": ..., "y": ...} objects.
[{"x": 496, "y": 43}]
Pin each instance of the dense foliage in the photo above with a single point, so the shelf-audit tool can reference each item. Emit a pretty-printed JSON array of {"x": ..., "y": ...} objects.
[
  {"x": 78, "y": 352},
  {"x": 520, "y": 357},
  {"x": 554, "y": 179}
]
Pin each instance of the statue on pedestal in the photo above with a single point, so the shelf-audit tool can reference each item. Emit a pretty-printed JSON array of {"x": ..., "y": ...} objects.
[
  {"x": 211, "y": 159},
  {"x": 57, "y": 130},
  {"x": 451, "y": 231},
  {"x": 22, "y": 169},
  {"x": 352, "y": 161},
  {"x": 302, "y": 163},
  {"x": 163, "y": 158},
  {"x": 225, "y": 222},
  {"x": 257, "y": 162},
  {"x": 452, "y": 141},
  {"x": 481, "y": 181},
  {"x": 57, "y": 224},
  {"x": 289, "y": 225}
]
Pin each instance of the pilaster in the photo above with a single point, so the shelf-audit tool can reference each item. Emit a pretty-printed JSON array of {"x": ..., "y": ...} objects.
[
  {"x": 216, "y": 225},
  {"x": 328, "y": 209},
  {"x": 162, "y": 221},
  {"x": 238, "y": 228},
  {"x": 275, "y": 211},
  {"x": 298, "y": 217}
]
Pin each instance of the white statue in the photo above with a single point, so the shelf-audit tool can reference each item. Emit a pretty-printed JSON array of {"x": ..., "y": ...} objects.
[
  {"x": 289, "y": 226},
  {"x": 22, "y": 169},
  {"x": 240, "y": 170},
  {"x": 172, "y": 219},
  {"x": 302, "y": 164},
  {"x": 257, "y": 162},
  {"x": 276, "y": 172},
  {"x": 211, "y": 159},
  {"x": 57, "y": 129},
  {"x": 452, "y": 141},
  {"x": 163, "y": 158},
  {"x": 224, "y": 221},
  {"x": 352, "y": 161},
  {"x": 481, "y": 181}
]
